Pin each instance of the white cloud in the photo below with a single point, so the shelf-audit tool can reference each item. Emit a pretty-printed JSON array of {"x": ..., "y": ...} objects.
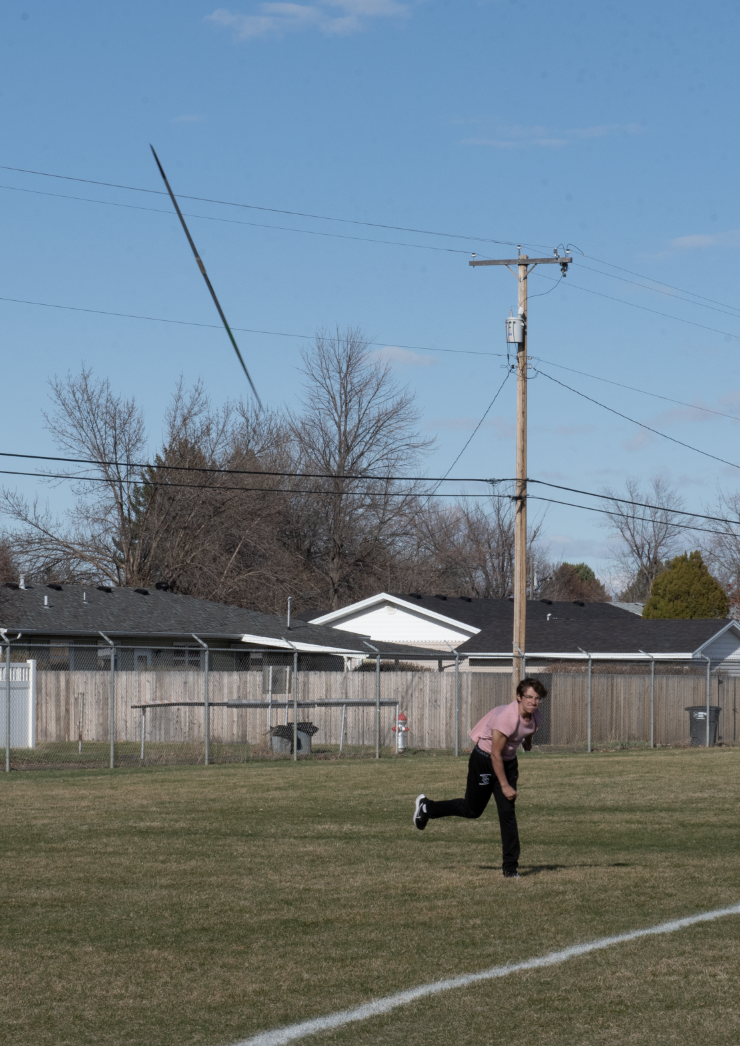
[
  {"x": 639, "y": 441},
  {"x": 404, "y": 357},
  {"x": 684, "y": 415},
  {"x": 574, "y": 430},
  {"x": 502, "y": 143},
  {"x": 699, "y": 241},
  {"x": 605, "y": 129},
  {"x": 730, "y": 401},
  {"x": 522, "y": 137},
  {"x": 277, "y": 19},
  {"x": 504, "y": 428}
]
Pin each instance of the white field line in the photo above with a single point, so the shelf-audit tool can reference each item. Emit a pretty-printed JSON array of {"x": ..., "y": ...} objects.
[{"x": 280, "y": 1036}]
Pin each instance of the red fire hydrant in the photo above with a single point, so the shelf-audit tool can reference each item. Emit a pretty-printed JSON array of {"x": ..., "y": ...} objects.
[{"x": 400, "y": 729}]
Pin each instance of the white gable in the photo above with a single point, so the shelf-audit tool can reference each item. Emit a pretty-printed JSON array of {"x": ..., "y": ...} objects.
[
  {"x": 392, "y": 620},
  {"x": 724, "y": 649}
]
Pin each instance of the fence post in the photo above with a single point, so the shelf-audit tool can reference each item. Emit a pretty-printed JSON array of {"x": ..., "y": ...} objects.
[
  {"x": 295, "y": 706},
  {"x": 206, "y": 706},
  {"x": 7, "y": 705},
  {"x": 112, "y": 717},
  {"x": 7, "y": 640},
  {"x": 377, "y": 697},
  {"x": 709, "y": 684},
  {"x": 143, "y": 733},
  {"x": 524, "y": 661},
  {"x": 588, "y": 726},
  {"x": 295, "y": 699},
  {"x": 589, "y": 702},
  {"x": 457, "y": 704},
  {"x": 457, "y": 697},
  {"x": 652, "y": 697},
  {"x": 32, "y": 701}
]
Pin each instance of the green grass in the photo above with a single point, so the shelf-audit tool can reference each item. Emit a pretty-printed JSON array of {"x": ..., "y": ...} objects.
[{"x": 199, "y": 905}]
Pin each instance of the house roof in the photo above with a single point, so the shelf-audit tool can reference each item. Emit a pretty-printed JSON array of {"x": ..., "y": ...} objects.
[
  {"x": 438, "y": 611},
  {"x": 620, "y": 633},
  {"x": 84, "y": 610},
  {"x": 476, "y": 614}
]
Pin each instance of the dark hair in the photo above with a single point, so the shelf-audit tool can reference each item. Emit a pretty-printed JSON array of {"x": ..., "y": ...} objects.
[{"x": 531, "y": 684}]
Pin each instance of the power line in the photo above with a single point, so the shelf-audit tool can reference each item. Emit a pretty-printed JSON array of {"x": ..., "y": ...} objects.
[
  {"x": 332, "y": 493},
  {"x": 667, "y": 292},
  {"x": 642, "y": 425},
  {"x": 606, "y": 512},
  {"x": 236, "y": 221},
  {"x": 633, "y": 388},
  {"x": 379, "y": 225},
  {"x": 378, "y": 344},
  {"x": 204, "y": 274},
  {"x": 644, "y": 308},
  {"x": 485, "y": 415},
  {"x": 368, "y": 239},
  {"x": 237, "y": 472},
  {"x": 277, "y": 210},
  {"x": 243, "y": 330},
  {"x": 137, "y": 481},
  {"x": 639, "y": 504},
  {"x": 670, "y": 286},
  {"x": 201, "y": 469}
]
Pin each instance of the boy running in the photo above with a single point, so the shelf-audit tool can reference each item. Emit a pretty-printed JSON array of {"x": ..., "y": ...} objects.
[{"x": 493, "y": 768}]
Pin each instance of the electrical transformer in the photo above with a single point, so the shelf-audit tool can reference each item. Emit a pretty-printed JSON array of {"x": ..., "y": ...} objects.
[{"x": 514, "y": 330}]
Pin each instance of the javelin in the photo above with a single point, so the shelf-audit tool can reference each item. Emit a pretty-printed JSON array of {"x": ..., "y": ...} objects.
[{"x": 202, "y": 268}]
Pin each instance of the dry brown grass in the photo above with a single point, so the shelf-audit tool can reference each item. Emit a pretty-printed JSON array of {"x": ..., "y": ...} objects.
[{"x": 199, "y": 905}]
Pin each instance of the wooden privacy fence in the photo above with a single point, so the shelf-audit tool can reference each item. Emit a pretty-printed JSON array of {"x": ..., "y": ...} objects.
[{"x": 620, "y": 706}]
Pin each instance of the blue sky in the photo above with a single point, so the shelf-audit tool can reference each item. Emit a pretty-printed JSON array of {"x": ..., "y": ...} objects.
[{"x": 605, "y": 126}]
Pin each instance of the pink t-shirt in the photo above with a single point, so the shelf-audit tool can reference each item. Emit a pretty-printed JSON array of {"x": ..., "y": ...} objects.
[{"x": 507, "y": 720}]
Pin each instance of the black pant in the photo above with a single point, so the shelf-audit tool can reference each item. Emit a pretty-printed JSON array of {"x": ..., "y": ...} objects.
[{"x": 481, "y": 782}]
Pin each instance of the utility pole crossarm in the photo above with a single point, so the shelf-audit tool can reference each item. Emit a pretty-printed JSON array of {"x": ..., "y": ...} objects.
[{"x": 566, "y": 260}]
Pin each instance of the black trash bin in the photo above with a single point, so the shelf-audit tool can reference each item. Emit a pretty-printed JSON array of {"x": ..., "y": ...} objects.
[
  {"x": 281, "y": 740},
  {"x": 698, "y": 723}
]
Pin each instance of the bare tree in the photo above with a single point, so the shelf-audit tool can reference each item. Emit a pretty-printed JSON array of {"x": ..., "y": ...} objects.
[
  {"x": 469, "y": 547},
  {"x": 96, "y": 539},
  {"x": 721, "y": 550},
  {"x": 213, "y": 521},
  {"x": 358, "y": 429},
  {"x": 646, "y": 537}
]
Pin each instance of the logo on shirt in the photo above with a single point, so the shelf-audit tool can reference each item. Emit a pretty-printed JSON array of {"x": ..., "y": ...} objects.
[{"x": 485, "y": 780}]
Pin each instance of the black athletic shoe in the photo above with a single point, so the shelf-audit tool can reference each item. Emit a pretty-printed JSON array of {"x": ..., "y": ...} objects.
[
  {"x": 512, "y": 875},
  {"x": 420, "y": 812}
]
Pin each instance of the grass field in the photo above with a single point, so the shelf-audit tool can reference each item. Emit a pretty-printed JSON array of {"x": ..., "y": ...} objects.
[{"x": 194, "y": 905}]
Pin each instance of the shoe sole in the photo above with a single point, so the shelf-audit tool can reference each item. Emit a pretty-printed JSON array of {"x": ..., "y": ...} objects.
[{"x": 417, "y": 808}]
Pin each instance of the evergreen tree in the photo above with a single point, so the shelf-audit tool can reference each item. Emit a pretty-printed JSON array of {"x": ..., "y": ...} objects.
[
  {"x": 686, "y": 590},
  {"x": 572, "y": 581}
]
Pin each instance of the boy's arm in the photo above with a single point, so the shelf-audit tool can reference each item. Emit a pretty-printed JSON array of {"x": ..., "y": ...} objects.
[{"x": 498, "y": 740}]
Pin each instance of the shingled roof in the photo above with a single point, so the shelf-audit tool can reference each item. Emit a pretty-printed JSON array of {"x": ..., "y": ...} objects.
[
  {"x": 485, "y": 613},
  {"x": 84, "y": 610},
  {"x": 621, "y": 632}
]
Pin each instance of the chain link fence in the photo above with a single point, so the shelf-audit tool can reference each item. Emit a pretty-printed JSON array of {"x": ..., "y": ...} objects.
[{"x": 114, "y": 705}]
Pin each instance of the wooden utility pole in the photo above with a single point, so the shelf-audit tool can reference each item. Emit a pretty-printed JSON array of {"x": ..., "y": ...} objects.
[{"x": 517, "y": 333}]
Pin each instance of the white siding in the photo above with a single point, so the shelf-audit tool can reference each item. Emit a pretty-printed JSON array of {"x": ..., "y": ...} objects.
[
  {"x": 392, "y": 624},
  {"x": 726, "y": 650}
]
